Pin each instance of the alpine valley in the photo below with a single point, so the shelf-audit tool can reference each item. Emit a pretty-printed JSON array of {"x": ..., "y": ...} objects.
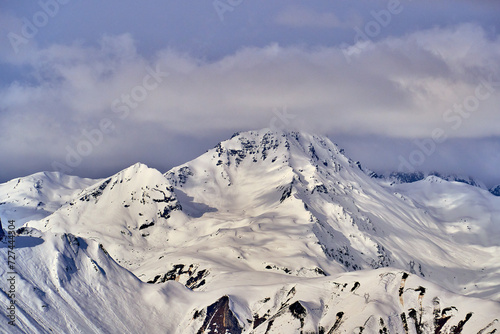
[{"x": 268, "y": 232}]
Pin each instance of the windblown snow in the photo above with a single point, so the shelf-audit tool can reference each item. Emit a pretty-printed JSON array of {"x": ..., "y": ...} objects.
[{"x": 268, "y": 232}]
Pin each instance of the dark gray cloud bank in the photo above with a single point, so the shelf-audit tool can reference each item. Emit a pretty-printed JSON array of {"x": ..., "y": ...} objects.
[{"x": 90, "y": 88}]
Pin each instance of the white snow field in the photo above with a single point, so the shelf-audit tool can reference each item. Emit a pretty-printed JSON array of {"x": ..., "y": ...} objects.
[{"x": 268, "y": 232}]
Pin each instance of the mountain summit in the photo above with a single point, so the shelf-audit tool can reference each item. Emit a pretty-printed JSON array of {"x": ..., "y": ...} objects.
[{"x": 276, "y": 232}]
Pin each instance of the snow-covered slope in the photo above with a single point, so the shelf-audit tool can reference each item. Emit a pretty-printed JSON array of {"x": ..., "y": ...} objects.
[
  {"x": 36, "y": 196},
  {"x": 68, "y": 284},
  {"x": 470, "y": 214},
  {"x": 375, "y": 301},
  {"x": 284, "y": 225}
]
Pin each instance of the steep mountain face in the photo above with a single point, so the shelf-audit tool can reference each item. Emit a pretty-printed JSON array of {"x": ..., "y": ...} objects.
[
  {"x": 324, "y": 214},
  {"x": 275, "y": 232},
  {"x": 68, "y": 284},
  {"x": 36, "y": 196}
]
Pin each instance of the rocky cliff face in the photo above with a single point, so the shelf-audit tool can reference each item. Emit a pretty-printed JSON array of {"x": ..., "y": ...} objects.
[
  {"x": 2, "y": 233},
  {"x": 495, "y": 190}
]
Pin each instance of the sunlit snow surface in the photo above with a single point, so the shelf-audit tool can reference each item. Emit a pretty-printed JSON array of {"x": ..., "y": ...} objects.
[
  {"x": 39, "y": 195},
  {"x": 292, "y": 231}
]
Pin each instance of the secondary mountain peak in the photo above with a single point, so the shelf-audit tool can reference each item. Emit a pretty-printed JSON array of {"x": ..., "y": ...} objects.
[{"x": 122, "y": 210}]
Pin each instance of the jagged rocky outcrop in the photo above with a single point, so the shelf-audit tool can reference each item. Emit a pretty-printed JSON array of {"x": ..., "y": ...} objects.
[
  {"x": 495, "y": 190},
  {"x": 2, "y": 233},
  {"x": 220, "y": 318},
  {"x": 191, "y": 276}
]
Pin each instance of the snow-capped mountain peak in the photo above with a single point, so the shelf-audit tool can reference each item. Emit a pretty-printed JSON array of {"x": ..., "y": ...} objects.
[{"x": 269, "y": 226}]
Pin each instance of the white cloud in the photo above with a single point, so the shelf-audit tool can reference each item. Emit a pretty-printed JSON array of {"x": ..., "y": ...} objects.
[{"x": 397, "y": 87}]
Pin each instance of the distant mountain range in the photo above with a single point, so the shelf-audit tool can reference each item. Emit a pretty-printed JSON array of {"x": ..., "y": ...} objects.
[
  {"x": 268, "y": 232},
  {"x": 407, "y": 177}
]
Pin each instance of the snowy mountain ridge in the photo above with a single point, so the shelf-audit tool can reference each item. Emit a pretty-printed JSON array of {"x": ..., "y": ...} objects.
[
  {"x": 36, "y": 196},
  {"x": 405, "y": 177},
  {"x": 280, "y": 232}
]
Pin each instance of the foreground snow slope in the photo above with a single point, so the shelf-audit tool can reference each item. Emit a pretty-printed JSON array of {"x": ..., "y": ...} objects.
[{"x": 68, "y": 284}]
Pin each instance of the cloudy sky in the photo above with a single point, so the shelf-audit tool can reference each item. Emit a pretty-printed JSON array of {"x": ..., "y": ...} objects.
[{"x": 89, "y": 88}]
